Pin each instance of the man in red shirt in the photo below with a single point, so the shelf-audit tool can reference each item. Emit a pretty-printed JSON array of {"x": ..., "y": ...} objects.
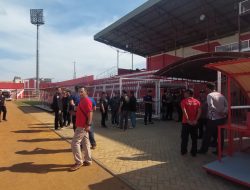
[
  {"x": 84, "y": 116},
  {"x": 191, "y": 113}
]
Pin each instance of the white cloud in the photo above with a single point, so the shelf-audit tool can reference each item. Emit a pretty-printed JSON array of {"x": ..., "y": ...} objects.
[{"x": 58, "y": 50}]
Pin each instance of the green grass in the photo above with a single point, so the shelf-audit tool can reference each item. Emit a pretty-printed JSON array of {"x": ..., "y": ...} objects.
[{"x": 27, "y": 102}]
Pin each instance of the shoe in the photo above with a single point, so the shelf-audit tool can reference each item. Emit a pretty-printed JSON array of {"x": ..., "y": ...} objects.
[
  {"x": 93, "y": 147},
  {"x": 193, "y": 154},
  {"x": 4, "y": 119},
  {"x": 145, "y": 123},
  {"x": 183, "y": 153},
  {"x": 86, "y": 163},
  {"x": 151, "y": 122},
  {"x": 201, "y": 152},
  {"x": 215, "y": 152},
  {"x": 75, "y": 167}
]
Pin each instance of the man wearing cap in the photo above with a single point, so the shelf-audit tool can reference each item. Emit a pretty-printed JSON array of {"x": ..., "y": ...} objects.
[
  {"x": 84, "y": 116},
  {"x": 191, "y": 113}
]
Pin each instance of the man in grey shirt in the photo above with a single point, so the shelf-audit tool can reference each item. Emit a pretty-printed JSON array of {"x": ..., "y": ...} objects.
[{"x": 217, "y": 114}]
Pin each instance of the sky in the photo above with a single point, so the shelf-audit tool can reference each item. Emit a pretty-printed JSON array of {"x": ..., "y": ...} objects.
[{"x": 66, "y": 37}]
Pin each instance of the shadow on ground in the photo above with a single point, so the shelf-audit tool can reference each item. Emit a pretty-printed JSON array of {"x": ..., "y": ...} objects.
[
  {"x": 40, "y": 124},
  {"x": 42, "y": 140},
  {"x": 42, "y": 151},
  {"x": 30, "y": 167},
  {"x": 107, "y": 184},
  {"x": 30, "y": 131}
]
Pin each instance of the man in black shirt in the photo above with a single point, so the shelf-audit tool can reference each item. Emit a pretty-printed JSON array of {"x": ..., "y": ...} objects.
[
  {"x": 57, "y": 108},
  {"x": 104, "y": 108},
  {"x": 2, "y": 106},
  {"x": 65, "y": 103},
  {"x": 114, "y": 105},
  {"x": 124, "y": 110},
  {"x": 148, "y": 102},
  {"x": 132, "y": 108}
]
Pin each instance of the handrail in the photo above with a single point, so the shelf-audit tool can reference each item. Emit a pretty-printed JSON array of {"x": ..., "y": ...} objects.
[{"x": 240, "y": 107}]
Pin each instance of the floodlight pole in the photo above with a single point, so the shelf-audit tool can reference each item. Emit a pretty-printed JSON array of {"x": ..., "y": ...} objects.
[
  {"x": 36, "y": 18},
  {"x": 37, "y": 59},
  {"x": 74, "y": 76}
]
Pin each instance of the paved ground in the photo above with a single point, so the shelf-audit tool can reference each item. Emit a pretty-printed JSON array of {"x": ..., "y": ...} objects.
[
  {"x": 147, "y": 157},
  {"x": 33, "y": 157}
]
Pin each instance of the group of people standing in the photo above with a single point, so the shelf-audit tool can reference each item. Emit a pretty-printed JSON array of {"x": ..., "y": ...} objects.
[
  {"x": 209, "y": 111},
  {"x": 2, "y": 107},
  {"x": 122, "y": 108},
  {"x": 170, "y": 102}
]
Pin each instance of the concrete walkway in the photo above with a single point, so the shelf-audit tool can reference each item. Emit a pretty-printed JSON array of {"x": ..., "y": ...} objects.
[
  {"x": 33, "y": 157},
  {"x": 147, "y": 158}
]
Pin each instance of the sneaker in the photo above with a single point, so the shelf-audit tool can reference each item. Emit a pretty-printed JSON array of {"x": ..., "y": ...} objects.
[
  {"x": 75, "y": 167},
  {"x": 85, "y": 163}
]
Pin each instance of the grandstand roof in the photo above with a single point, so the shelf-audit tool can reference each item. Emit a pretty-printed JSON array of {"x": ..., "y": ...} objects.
[
  {"x": 193, "y": 67},
  {"x": 163, "y": 25}
]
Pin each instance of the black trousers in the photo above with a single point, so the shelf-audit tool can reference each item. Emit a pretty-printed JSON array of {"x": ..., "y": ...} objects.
[
  {"x": 114, "y": 117},
  {"x": 169, "y": 111},
  {"x": 185, "y": 132},
  {"x": 74, "y": 122},
  {"x": 58, "y": 119},
  {"x": 164, "y": 112},
  {"x": 212, "y": 131},
  {"x": 124, "y": 119},
  {"x": 91, "y": 136},
  {"x": 4, "y": 110},
  {"x": 148, "y": 114},
  {"x": 179, "y": 111},
  {"x": 66, "y": 117},
  {"x": 201, "y": 126},
  {"x": 104, "y": 116}
]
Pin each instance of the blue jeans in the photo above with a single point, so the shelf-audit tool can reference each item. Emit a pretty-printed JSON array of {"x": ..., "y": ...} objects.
[
  {"x": 133, "y": 119},
  {"x": 91, "y": 136}
]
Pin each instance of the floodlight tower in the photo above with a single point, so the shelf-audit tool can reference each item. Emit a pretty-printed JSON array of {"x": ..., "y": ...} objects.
[{"x": 36, "y": 18}]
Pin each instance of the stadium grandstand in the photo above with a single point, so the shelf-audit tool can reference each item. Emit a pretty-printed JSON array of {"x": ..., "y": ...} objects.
[{"x": 180, "y": 41}]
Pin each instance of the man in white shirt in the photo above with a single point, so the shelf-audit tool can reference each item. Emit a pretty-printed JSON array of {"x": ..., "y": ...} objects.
[{"x": 217, "y": 114}]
